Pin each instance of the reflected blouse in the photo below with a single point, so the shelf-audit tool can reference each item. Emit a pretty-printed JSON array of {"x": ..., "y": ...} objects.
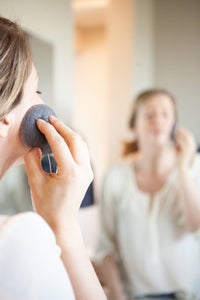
[{"x": 152, "y": 248}]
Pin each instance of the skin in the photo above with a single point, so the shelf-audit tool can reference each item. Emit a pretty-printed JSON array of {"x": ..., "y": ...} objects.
[
  {"x": 56, "y": 197},
  {"x": 153, "y": 163}
]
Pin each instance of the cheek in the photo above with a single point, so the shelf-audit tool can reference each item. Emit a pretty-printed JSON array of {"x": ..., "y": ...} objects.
[
  {"x": 26, "y": 104},
  {"x": 34, "y": 100},
  {"x": 171, "y": 124},
  {"x": 143, "y": 124},
  {"x": 141, "y": 128}
]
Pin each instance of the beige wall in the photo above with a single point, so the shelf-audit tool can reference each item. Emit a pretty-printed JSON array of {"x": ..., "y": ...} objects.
[
  {"x": 103, "y": 86},
  {"x": 121, "y": 58},
  {"x": 90, "y": 107}
]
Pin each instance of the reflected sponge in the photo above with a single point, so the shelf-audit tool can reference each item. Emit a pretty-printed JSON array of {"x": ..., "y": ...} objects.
[{"x": 30, "y": 134}]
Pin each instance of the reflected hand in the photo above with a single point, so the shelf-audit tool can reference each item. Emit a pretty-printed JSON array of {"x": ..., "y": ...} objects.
[
  {"x": 117, "y": 296},
  {"x": 185, "y": 146},
  {"x": 57, "y": 197}
]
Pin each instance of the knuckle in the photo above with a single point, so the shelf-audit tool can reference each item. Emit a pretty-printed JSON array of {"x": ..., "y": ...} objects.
[
  {"x": 77, "y": 138},
  {"x": 57, "y": 139},
  {"x": 74, "y": 172}
]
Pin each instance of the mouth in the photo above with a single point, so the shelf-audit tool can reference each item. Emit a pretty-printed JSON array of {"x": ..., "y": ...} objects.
[{"x": 158, "y": 131}]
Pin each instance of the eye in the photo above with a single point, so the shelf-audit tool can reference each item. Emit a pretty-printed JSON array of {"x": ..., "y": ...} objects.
[{"x": 38, "y": 92}]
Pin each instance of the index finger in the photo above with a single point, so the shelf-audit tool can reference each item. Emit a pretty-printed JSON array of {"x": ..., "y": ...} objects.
[
  {"x": 60, "y": 149},
  {"x": 77, "y": 145}
]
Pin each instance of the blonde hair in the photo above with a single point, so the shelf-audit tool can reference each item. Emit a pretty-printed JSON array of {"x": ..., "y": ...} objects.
[
  {"x": 131, "y": 147},
  {"x": 15, "y": 64}
]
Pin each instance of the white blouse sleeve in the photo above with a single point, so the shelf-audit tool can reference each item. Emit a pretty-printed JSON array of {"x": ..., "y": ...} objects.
[
  {"x": 195, "y": 174},
  {"x": 30, "y": 263},
  {"x": 108, "y": 213}
]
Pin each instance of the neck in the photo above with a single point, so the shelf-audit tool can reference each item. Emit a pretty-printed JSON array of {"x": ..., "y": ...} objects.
[
  {"x": 3, "y": 167},
  {"x": 156, "y": 161},
  {"x": 9, "y": 159}
]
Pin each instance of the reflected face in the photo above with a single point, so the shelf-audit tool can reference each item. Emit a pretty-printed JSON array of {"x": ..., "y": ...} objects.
[
  {"x": 30, "y": 97},
  {"x": 154, "y": 122}
]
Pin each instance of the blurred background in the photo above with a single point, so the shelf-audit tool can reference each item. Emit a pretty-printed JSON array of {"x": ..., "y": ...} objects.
[{"x": 94, "y": 56}]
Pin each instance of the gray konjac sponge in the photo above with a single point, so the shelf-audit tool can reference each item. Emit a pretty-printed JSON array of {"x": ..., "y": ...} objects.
[{"x": 30, "y": 134}]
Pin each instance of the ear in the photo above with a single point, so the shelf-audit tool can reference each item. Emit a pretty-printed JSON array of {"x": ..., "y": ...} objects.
[{"x": 5, "y": 125}]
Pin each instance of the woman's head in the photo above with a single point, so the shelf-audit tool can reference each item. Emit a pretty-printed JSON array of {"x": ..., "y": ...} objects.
[
  {"x": 153, "y": 116},
  {"x": 15, "y": 65},
  {"x": 18, "y": 91}
]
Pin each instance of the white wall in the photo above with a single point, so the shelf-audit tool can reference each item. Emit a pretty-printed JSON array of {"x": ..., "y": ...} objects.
[
  {"x": 143, "y": 45},
  {"x": 49, "y": 20},
  {"x": 177, "y": 56}
]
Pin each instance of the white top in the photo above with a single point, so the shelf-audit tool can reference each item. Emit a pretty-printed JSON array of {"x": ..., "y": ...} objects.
[
  {"x": 153, "y": 249},
  {"x": 30, "y": 263}
]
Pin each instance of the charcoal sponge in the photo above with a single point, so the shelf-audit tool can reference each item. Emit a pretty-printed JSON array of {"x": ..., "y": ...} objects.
[{"x": 29, "y": 132}]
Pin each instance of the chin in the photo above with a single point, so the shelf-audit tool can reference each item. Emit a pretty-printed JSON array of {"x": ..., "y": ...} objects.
[
  {"x": 160, "y": 141},
  {"x": 160, "y": 144}
]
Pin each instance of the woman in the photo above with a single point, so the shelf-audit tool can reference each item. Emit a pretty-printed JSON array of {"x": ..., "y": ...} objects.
[
  {"x": 30, "y": 263},
  {"x": 150, "y": 209}
]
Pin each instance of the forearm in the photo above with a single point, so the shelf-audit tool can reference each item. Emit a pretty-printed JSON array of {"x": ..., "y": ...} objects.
[
  {"x": 191, "y": 200},
  {"x": 77, "y": 263},
  {"x": 111, "y": 278}
]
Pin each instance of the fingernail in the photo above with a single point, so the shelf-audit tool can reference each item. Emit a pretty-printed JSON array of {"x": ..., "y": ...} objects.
[
  {"x": 40, "y": 121},
  {"x": 52, "y": 118}
]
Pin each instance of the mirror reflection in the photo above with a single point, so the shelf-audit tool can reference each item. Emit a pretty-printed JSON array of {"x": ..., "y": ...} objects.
[{"x": 126, "y": 75}]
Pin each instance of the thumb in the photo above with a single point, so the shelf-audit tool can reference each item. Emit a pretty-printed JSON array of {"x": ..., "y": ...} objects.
[{"x": 33, "y": 164}]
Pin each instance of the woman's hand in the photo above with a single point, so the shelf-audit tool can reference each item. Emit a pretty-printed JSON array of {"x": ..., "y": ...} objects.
[
  {"x": 57, "y": 197},
  {"x": 186, "y": 147}
]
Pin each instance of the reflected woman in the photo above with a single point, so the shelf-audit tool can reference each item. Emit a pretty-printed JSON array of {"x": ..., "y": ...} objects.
[{"x": 150, "y": 210}]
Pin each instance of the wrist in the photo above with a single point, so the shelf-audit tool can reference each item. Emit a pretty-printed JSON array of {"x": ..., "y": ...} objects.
[
  {"x": 61, "y": 223},
  {"x": 183, "y": 172},
  {"x": 116, "y": 295},
  {"x": 63, "y": 229},
  {"x": 182, "y": 165},
  {"x": 182, "y": 168},
  {"x": 116, "y": 288}
]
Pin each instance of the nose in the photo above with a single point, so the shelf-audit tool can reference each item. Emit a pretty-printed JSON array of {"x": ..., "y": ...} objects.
[
  {"x": 158, "y": 117},
  {"x": 40, "y": 100},
  {"x": 158, "y": 120}
]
